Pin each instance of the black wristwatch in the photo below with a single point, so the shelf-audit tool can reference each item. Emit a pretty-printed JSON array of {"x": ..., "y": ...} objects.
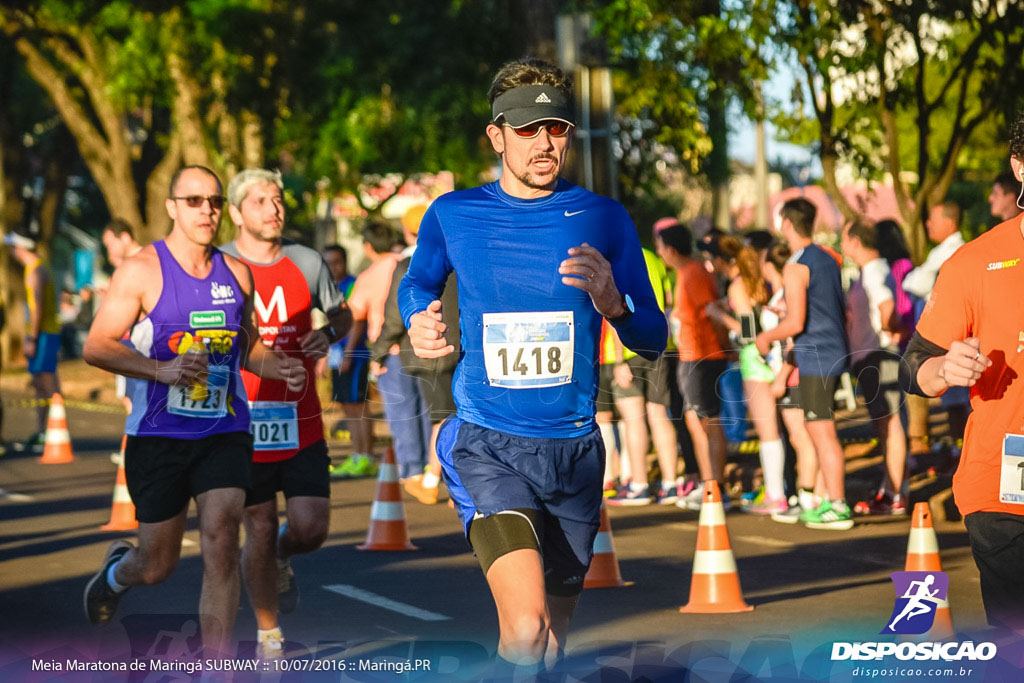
[{"x": 627, "y": 311}]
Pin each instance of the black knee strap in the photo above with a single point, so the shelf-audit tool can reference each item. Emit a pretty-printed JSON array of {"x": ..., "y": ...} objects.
[{"x": 503, "y": 532}]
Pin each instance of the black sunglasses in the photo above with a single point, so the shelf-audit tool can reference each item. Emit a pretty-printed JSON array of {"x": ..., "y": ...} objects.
[{"x": 195, "y": 201}]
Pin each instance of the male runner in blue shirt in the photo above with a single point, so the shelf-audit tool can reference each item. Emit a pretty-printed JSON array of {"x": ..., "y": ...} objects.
[{"x": 539, "y": 262}]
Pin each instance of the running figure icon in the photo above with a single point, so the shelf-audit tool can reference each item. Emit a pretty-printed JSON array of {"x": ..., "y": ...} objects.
[{"x": 919, "y": 603}]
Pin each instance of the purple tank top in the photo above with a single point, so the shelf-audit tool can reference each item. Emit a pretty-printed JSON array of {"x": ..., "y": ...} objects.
[{"x": 192, "y": 313}]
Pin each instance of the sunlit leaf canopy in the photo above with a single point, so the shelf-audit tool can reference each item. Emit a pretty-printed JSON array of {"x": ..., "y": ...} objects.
[{"x": 915, "y": 92}]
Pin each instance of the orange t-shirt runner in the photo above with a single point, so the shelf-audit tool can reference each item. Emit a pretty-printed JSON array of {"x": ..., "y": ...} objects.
[
  {"x": 976, "y": 295},
  {"x": 695, "y": 289}
]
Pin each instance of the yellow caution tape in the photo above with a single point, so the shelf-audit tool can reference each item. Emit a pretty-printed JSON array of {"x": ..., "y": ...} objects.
[{"x": 69, "y": 403}]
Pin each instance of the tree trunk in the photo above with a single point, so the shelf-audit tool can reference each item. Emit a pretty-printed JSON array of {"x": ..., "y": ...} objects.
[
  {"x": 52, "y": 204},
  {"x": 828, "y": 176},
  {"x": 108, "y": 160},
  {"x": 12, "y": 295},
  {"x": 252, "y": 140},
  {"x": 186, "y": 120},
  {"x": 158, "y": 184}
]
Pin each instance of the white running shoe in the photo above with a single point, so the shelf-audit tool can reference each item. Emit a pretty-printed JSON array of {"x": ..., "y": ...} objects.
[
  {"x": 692, "y": 500},
  {"x": 792, "y": 514}
]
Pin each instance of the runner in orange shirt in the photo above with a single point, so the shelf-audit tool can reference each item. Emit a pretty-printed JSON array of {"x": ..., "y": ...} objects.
[
  {"x": 972, "y": 334},
  {"x": 701, "y": 360}
]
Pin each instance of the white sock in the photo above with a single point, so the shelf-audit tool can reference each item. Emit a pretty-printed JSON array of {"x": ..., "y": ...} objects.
[
  {"x": 430, "y": 480},
  {"x": 637, "y": 486},
  {"x": 807, "y": 499},
  {"x": 668, "y": 485},
  {"x": 773, "y": 460},
  {"x": 112, "y": 582}
]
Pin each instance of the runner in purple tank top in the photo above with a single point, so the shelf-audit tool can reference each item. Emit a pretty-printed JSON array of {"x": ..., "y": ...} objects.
[{"x": 189, "y": 309}]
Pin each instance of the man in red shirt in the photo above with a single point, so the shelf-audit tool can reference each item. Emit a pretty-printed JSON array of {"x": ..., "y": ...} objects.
[
  {"x": 290, "y": 454},
  {"x": 971, "y": 334}
]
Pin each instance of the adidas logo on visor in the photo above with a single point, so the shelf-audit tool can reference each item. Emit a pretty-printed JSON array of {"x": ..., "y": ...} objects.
[{"x": 542, "y": 99}]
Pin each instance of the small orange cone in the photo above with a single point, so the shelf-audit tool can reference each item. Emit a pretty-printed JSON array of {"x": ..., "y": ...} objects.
[
  {"x": 57, "y": 445},
  {"x": 715, "y": 588},
  {"x": 122, "y": 511},
  {"x": 923, "y": 556},
  {"x": 604, "y": 568},
  {"x": 387, "y": 516}
]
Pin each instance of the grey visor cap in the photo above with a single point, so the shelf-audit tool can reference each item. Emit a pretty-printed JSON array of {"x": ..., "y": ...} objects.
[{"x": 529, "y": 103}]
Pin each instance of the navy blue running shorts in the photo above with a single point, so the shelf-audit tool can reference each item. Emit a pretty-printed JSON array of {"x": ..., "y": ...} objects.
[{"x": 487, "y": 472}]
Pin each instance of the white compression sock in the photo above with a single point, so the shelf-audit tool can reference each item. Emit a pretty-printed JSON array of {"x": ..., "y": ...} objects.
[{"x": 773, "y": 460}]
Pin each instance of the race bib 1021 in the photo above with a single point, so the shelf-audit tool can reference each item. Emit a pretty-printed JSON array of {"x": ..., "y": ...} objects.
[{"x": 274, "y": 425}]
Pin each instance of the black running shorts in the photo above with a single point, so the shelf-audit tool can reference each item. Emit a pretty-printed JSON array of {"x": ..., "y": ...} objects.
[
  {"x": 698, "y": 383},
  {"x": 163, "y": 473},
  {"x": 817, "y": 396},
  {"x": 304, "y": 474}
]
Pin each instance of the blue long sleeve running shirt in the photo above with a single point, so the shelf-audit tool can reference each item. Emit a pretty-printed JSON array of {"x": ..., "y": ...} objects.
[{"x": 529, "y": 342}]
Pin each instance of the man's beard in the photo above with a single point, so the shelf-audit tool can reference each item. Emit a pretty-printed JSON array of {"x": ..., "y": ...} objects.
[
  {"x": 266, "y": 234},
  {"x": 527, "y": 178}
]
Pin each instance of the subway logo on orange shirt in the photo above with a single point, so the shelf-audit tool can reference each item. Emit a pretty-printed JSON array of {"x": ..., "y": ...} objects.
[{"x": 999, "y": 265}]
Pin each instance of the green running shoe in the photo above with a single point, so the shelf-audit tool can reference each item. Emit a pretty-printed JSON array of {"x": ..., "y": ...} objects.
[
  {"x": 836, "y": 516},
  {"x": 355, "y": 467},
  {"x": 364, "y": 466},
  {"x": 342, "y": 470}
]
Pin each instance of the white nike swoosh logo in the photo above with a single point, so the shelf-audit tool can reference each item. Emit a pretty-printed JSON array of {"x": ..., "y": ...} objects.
[{"x": 574, "y": 213}]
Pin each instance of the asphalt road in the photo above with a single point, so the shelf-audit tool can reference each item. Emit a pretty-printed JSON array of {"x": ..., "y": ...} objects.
[{"x": 809, "y": 589}]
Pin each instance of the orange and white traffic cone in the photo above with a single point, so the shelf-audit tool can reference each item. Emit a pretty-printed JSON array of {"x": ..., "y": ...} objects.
[
  {"x": 57, "y": 444},
  {"x": 604, "y": 568},
  {"x": 715, "y": 587},
  {"x": 122, "y": 511},
  {"x": 387, "y": 516},
  {"x": 923, "y": 556}
]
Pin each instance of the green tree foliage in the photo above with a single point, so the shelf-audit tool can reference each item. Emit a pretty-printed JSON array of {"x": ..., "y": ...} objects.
[
  {"x": 901, "y": 89},
  {"x": 322, "y": 88},
  {"x": 678, "y": 62},
  {"x": 402, "y": 90},
  {"x": 129, "y": 80}
]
